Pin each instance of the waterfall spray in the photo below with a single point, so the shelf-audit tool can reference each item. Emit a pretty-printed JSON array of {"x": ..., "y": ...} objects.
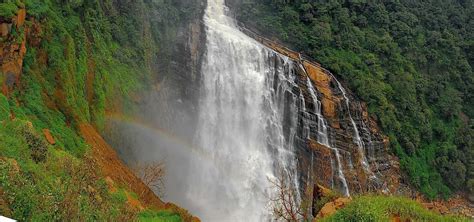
[{"x": 247, "y": 123}]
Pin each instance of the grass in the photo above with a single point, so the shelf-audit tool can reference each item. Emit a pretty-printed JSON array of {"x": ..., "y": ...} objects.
[
  {"x": 4, "y": 108},
  {"x": 382, "y": 208},
  {"x": 159, "y": 216},
  {"x": 55, "y": 187}
]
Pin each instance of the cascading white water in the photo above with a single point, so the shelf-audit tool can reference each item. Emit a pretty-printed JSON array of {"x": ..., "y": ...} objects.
[
  {"x": 322, "y": 127},
  {"x": 247, "y": 124},
  {"x": 357, "y": 137},
  {"x": 323, "y": 136}
]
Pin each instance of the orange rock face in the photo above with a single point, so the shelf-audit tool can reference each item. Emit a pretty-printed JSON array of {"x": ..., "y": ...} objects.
[
  {"x": 331, "y": 207},
  {"x": 323, "y": 156},
  {"x": 317, "y": 162},
  {"x": 322, "y": 80},
  {"x": 12, "y": 53}
]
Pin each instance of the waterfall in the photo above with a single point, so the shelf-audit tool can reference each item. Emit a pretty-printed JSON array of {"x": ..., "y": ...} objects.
[
  {"x": 323, "y": 136},
  {"x": 322, "y": 127},
  {"x": 247, "y": 124},
  {"x": 357, "y": 138}
]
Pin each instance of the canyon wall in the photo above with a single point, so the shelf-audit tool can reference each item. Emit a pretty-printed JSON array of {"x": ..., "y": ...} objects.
[
  {"x": 356, "y": 155},
  {"x": 172, "y": 102},
  {"x": 13, "y": 35},
  {"x": 170, "y": 105},
  {"x": 354, "y": 159}
]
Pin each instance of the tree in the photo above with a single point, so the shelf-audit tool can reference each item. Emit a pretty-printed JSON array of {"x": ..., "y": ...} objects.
[
  {"x": 152, "y": 174},
  {"x": 411, "y": 61},
  {"x": 286, "y": 204}
]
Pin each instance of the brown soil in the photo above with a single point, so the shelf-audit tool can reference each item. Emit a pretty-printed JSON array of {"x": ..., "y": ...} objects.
[
  {"x": 458, "y": 205},
  {"x": 112, "y": 167},
  {"x": 117, "y": 173},
  {"x": 4, "y": 207}
]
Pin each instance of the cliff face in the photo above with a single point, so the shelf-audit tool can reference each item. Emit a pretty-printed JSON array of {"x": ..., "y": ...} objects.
[
  {"x": 364, "y": 158},
  {"x": 382, "y": 172},
  {"x": 356, "y": 154},
  {"x": 356, "y": 148},
  {"x": 12, "y": 50},
  {"x": 171, "y": 101}
]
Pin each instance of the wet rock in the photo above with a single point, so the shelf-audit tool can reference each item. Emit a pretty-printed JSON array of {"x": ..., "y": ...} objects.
[
  {"x": 20, "y": 18},
  {"x": 365, "y": 160},
  {"x": 322, "y": 80},
  {"x": 322, "y": 170}
]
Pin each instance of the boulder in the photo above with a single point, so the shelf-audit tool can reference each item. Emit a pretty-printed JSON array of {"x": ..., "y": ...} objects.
[{"x": 331, "y": 207}]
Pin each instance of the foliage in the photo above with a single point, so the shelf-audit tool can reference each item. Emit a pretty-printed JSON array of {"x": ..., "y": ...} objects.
[
  {"x": 36, "y": 8},
  {"x": 58, "y": 188},
  {"x": 84, "y": 58},
  {"x": 411, "y": 61},
  {"x": 4, "y": 108},
  {"x": 8, "y": 9},
  {"x": 159, "y": 216},
  {"x": 38, "y": 147},
  {"x": 381, "y": 208}
]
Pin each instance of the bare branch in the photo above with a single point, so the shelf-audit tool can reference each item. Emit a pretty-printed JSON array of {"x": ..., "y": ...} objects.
[
  {"x": 285, "y": 203},
  {"x": 152, "y": 174}
]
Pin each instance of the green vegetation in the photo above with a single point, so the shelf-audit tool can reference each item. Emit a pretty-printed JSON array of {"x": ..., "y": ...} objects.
[
  {"x": 411, "y": 61},
  {"x": 84, "y": 58},
  {"x": 159, "y": 216},
  {"x": 380, "y": 208},
  {"x": 42, "y": 183},
  {"x": 8, "y": 8},
  {"x": 4, "y": 108}
]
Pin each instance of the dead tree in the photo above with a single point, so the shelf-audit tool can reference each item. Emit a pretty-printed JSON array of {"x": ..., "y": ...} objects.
[
  {"x": 286, "y": 204},
  {"x": 152, "y": 174}
]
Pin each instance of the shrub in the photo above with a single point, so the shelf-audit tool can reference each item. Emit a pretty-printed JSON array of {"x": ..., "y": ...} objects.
[
  {"x": 36, "y": 8},
  {"x": 382, "y": 208},
  {"x": 37, "y": 145},
  {"x": 8, "y": 9}
]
